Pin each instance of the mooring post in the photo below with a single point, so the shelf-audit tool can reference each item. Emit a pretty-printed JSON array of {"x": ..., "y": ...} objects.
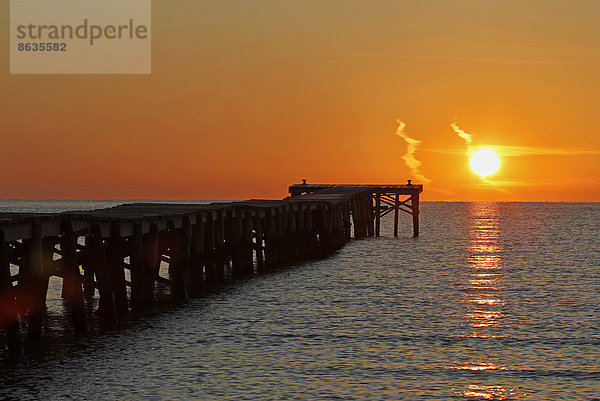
[
  {"x": 396, "y": 210},
  {"x": 72, "y": 289},
  {"x": 414, "y": 201},
  {"x": 9, "y": 319}
]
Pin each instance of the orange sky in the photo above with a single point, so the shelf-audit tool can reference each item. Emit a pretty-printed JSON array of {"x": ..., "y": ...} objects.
[{"x": 247, "y": 97}]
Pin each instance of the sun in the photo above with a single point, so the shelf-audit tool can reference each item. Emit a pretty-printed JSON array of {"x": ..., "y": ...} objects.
[{"x": 484, "y": 162}]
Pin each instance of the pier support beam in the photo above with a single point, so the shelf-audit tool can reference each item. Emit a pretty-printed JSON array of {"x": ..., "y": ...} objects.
[
  {"x": 117, "y": 271},
  {"x": 151, "y": 262},
  {"x": 9, "y": 313},
  {"x": 100, "y": 266},
  {"x": 33, "y": 283},
  {"x": 414, "y": 201},
  {"x": 210, "y": 256},
  {"x": 72, "y": 289},
  {"x": 377, "y": 214},
  {"x": 197, "y": 256},
  {"x": 136, "y": 262}
]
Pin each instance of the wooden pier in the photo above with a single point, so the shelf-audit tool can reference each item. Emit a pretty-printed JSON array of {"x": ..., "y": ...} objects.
[{"x": 203, "y": 244}]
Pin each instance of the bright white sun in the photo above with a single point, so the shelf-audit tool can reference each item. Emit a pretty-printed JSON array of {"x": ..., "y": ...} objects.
[{"x": 484, "y": 162}]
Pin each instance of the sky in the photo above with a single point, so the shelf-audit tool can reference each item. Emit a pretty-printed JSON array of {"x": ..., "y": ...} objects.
[{"x": 247, "y": 97}]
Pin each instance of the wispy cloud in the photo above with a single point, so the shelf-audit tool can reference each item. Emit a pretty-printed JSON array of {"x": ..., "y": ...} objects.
[
  {"x": 531, "y": 150},
  {"x": 467, "y": 137},
  {"x": 523, "y": 151},
  {"x": 409, "y": 157}
]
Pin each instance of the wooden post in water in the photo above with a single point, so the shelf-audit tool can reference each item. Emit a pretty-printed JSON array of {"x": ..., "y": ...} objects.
[
  {"x": 258, "y": 245},
  {"x": 309, "y": 232},
  {"x": 278, "y": 239},
  {"x": 347, "y": 223},
  {"x": 177, "y": 259},
  {"x": 414, "y": 202},
  {"x": 9, "y": 320},
  {"x": 377, "y": 214},
  {"x": 209, "y": 250},
  {"x": 32, "y": 279},
  {"x": 220, "y": 245},
  {"x": 136, "y": 263},
  {"x": 356, "y": 218},
  {"x": 151, "y": 262},
  {"x": 291, "y": 241},
  {"x": 396, "y": 210},
  {"x": 247, "y": 248},
  {"x": 271, "y": 254},
  {"x": 100, "y": 266},
  {"x": 89, "y": 289},
  {"x": 72, "y": 289},
  {"x": 117, "y": 271},
  {"x": 197, "y": 256}
]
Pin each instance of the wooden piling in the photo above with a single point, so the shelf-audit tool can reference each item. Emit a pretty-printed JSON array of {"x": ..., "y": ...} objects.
[
  {"x": 396, "y": 210},
  {"x": 178, "y": 256},
  {"x": 89, "y": 287},
  {"x": 196, "y": 271},
  {"x": 258, "y": 242},
  {"x": 377, "y": 214},
  {"x": 247, "y": 251},
  {"x": 99, "y": 262},
  {"x": 32, "y": 283},
  {"x": 271, "y": 243},
  {"x": 414, "y": 201},
  {"x": 220, "y": 252},
  {"x": 151, "y": 262},
  {"x": 72, "y": 279},
  {"x": 210, "y": 256},
  {"x": 136, "y": 263},
  {"x": 9, "y": 314}
]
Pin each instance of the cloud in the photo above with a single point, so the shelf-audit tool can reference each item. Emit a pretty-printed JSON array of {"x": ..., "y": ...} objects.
[
  {"x": 531, "y": 150},
  {"x": 409, "y": 157},
  {"x": 467, "y": 137},
  {"x": 523, "y": 151}
]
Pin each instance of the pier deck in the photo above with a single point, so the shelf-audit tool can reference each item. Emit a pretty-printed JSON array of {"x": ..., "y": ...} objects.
[{"x": 203, "y": 245}]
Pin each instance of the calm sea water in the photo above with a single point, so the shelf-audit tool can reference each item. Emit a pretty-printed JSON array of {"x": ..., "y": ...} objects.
[{"x": 494, "y": 301}]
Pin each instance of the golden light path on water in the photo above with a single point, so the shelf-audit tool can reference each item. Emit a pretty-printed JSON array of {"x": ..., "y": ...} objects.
[{"x": 484, "y": 304}]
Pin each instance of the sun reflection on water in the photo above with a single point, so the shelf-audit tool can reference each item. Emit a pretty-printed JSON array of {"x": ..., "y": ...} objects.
[
  {"x": 481, "y": 392},
  {"x": 485, "y": 315},
  {"x": 484, "y": 281}
]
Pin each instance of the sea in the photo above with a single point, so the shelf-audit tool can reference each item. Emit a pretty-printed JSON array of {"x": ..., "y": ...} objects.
[{"x": 493, "y": 301}]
